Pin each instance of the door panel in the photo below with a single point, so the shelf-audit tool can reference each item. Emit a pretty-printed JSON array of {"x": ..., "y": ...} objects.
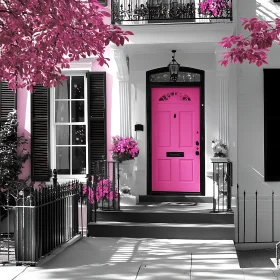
[{"x": 176, "y": 139}]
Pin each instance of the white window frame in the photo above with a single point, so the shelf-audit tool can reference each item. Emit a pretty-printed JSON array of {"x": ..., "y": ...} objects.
[{"x": 62, "y": 177}]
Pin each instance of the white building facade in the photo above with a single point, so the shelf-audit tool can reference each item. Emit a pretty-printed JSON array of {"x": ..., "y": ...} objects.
[{"x": 233, "y": 106}]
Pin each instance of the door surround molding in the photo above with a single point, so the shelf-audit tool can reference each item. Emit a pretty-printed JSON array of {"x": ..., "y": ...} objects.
[{"x": 180, "y": 84}]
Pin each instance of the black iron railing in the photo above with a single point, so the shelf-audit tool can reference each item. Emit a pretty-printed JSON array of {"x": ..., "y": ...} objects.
[
  {"x": 249, "y": 207},
  {"x": 222, "y": 185},
  {"x": 40, "y": 220},
  {"x": 152, "y": 11},
  {"x": 102, "y": 189}
]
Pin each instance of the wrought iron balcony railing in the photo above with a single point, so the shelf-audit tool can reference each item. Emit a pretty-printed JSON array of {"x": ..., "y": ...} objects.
[{"x": 160, "y": 11}]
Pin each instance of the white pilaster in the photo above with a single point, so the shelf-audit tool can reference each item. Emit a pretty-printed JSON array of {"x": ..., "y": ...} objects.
[
  {"x": 222, "y": 86},
  {"x": 124, "y": 92}
]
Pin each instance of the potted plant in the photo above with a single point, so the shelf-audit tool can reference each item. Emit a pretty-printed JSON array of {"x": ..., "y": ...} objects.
[
  {"x": 219, "y": 148},
  {"x": 105, "y": 193},
  {"x": 124, "y": 149},
  {"x": 214, "y": 8}
]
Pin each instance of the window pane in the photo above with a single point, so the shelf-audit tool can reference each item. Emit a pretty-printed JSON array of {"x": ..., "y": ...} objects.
[
  {"x": 62, "y": 91},
  {"x": 63, "y": 160},
  {"x": 62, "y": 135},
  {"x": 78, "y": 134},
  {"x": 77, "y": 87},
  {"x": 78, "y": 160},
  {"x": 78, "y": 111},
  {"x": 62, "y": 111}
]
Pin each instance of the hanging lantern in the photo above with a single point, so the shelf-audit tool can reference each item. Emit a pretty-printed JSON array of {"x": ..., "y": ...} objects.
[{"x": 174, "y": 67}]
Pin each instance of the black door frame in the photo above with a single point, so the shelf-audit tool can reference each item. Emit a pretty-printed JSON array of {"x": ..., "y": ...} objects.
[{"x": 149, "y": 86}]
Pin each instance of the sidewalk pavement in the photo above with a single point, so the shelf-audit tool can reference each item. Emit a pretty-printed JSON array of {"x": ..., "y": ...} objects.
[{"x": 143, "y": 259}]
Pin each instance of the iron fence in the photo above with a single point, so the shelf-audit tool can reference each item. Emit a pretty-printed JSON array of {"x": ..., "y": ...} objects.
[
  {"x": 102, "y": 189},
  {"x": 250, "y": 206},
  {"x": 152, "y": 11},
  {"x": 40, "y": 220},
  {"x": 35, "y": 221},
  {"x": 222, "y": 185}
]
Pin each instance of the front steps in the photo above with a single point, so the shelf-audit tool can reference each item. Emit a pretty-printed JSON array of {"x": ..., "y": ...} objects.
[
  {"x": 164, "y": 222},
  {"x": 146, "y": 214},
  {"x": 174, "y": 198},
  {"x": 162, "y": 230}
]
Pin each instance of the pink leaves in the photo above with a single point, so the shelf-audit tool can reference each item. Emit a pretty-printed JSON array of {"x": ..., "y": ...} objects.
[
  {"x": 38, "y": 36},
  {"x": 253, "y": 48}
]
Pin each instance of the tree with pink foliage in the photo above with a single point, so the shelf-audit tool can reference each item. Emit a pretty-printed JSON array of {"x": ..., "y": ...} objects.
[
  {"x": 255, "y": 46},
  {"x": 39, "y": 38}
]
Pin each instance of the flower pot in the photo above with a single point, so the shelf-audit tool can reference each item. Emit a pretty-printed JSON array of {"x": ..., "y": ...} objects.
[
  {"x": 103, "y": 204},
  {"x": 127, "y": 167},
  {"x": 126, "y": 173},
  {"x": 128, "y": 200},
  {"x": 219, "y": 159},
  {"x": 108, "y": 204}
]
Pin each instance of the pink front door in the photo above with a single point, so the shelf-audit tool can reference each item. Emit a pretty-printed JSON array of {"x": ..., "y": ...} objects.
[{"x": 176, "y": 139}]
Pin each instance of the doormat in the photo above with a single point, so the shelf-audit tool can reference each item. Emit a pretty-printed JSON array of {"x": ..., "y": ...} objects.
[{"x": 179, "y": 203}]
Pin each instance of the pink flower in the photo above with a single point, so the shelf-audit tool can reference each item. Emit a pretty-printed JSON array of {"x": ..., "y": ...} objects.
[
  {"x": 214, "y": 8},
  {"x": 124, "y": 148},
  {"x": 104, "y": 190}
]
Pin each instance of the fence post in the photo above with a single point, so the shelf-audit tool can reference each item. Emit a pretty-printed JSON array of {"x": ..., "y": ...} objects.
[
  {"x": 94, "y": 186},
  {"x": 238, "y": 213},
  {"x": 229, "y": 186},
  {"x": 89, "y": 203},
  {"x": 118, "y": 179},
  {"x": 256, "y": 216},
  {"x": 244, "y": 216},
  {"x": 214, "y": 177},
  {"x": 272, "y": 211},
  {"x": 55, "y": 178},
  {"x": 81, "y": 206}
]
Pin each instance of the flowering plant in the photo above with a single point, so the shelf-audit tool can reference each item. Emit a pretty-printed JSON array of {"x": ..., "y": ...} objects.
[
  {"x": 124, "y": 148},
  {"x": 214, "y": 7},
  {"x": 219, "y": 149},
  {"x": 104, "y": 190}
]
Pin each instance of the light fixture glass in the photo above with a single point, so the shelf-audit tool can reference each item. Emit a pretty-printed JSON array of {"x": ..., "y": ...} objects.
[{"x": 174, "y": 67}]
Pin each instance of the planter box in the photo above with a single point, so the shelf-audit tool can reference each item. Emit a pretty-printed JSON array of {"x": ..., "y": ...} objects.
[
  {"x": 219, "y": 159},
  {"x": 128, "y": 200}
]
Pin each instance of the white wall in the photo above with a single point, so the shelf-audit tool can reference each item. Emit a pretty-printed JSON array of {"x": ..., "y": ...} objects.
[
  {"x": 250, "y": 118},
  {"x": 250, "y": 176}
]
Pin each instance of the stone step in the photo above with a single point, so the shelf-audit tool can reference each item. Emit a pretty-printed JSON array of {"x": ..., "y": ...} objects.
[
  {"x": 162, "y": 230},
  {"x": 174, "y": 198},
  {"x": 132, "y": 214}
]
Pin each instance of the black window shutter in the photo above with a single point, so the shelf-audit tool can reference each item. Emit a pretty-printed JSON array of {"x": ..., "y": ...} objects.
[
  {"x": 40, "y": 133},
  {"x": 271, "y": 125},
  {"x": 7, "y": 101},
  {"x": 96, "y": 118}
]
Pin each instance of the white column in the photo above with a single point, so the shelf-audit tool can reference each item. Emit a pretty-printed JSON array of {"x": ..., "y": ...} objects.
[
  {"x": 222, "y": 87},
  {"x": 125, "y": 112},
  {"x": 124, "y": 93}
]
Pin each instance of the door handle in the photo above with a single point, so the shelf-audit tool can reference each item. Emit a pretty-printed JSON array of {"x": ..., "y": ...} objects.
[
  {"x": 197, "y": 153},
  {"x": 197, "y": 143}
]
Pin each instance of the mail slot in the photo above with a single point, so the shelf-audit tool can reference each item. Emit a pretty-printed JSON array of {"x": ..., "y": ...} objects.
[{"x": 175, "y": 154}]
